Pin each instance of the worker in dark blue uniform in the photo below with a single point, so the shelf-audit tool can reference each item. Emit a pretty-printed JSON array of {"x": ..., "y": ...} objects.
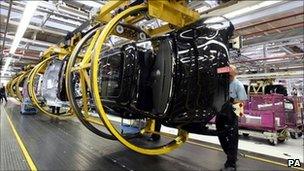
[
  {"x": 227, "y": 120},
  {"x": 2, "y": 94}
]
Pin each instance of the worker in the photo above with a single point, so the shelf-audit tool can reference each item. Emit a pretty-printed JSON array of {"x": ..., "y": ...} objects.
[
  {"x": 227, "y": 120},
  {"x": 2, "y": 93},
  {"x": 294, "y": 92}
]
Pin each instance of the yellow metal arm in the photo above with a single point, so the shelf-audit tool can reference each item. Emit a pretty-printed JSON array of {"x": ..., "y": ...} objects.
[
  {"x": 104, "y": 15},
  {"x": 54, "y": 50},
  {"x": 173, "y": 12}
]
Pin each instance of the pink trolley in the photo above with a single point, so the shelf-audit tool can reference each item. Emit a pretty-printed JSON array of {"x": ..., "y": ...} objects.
[
  {"x": 264, "y": 116},
  {"x": 294, "y": 115}
]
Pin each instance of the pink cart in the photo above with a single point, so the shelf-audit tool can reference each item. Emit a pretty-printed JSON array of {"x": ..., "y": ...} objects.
[
  {"x": 294, "y": 116},
  {"x": 265, "y": 117}
]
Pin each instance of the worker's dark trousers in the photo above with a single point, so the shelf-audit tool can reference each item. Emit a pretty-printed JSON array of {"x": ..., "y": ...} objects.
[
  {"x": 55, "y": 108},
  {"x": 227, "y": 128},
  {"x": 5, "y": 98},
  {"x": 157, "y": 128}
]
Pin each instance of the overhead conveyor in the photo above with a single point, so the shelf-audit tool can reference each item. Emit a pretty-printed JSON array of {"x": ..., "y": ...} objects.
[
  {"x": 122, "y": 80},
  {"x": 44, "y": 82},
  {"x": 171, "y": 75}
]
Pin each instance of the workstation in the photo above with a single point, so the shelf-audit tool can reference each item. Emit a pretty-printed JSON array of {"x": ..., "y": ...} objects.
[{"x": 151, "y": 85}]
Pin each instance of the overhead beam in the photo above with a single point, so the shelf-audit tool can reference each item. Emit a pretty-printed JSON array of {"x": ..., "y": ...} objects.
[
  {"x": 287, "y": 74},
  {"x": 15, "y": 23},
  {"x": 276, "y": 37},
  {"x": 37, "y": 42},
  {"x": 299, "y": 24},
  {"x": 30, "y": 47},
  {"x": 18, "y": 56},
  {"x": 46, "y": 8},
  {"x": 269, "y": 21}
]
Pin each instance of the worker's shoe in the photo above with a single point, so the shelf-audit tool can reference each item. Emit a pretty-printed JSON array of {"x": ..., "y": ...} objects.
[
  {"x": 229, "y": 166},
  {"x": 228, "y": 169},
  {"x": 154, "y": 137}
]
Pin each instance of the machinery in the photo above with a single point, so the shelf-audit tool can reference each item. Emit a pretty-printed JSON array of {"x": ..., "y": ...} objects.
[
  {"x": 175, "y": 74},
  {"x": 45, "y": 86},
  {"x": 27, "y": 106},
  {"x": 294, "y": 116},
  {"x": 280, "y": 117},
  {"x": 150, "y": 79},
  {"x": 12, "y": 87},
  {"x": 21, "y": 81}
]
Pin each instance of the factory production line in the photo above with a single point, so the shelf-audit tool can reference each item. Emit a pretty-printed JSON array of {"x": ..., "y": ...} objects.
[{"x": 73, "y": 79}]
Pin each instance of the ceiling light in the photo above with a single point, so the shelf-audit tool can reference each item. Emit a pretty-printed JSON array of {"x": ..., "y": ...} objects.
[
  {"x": 236, "y": 13},
  {"x": 201, "y": 9},
  {"x": 28, "y": 13},
  {"x": 7, "y": 62},
  {"x": 277, "y": 54},
  {"x": 249, "y": 9},
  {"x": 91, "y": 3}
]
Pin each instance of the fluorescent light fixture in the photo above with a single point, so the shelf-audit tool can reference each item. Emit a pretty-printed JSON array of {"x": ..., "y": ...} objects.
[
  {"x": 65, "y": 20},
  {"x": 212, "y": 3},
  {"x": 277, "y": 54},
  {"x": 91, "y": 3},
  {"x": 245, "y": 10},
  {"x": 28, "y": 13},
  {"x": 201, "y": 9},
  {"x": 7, "y": 62},
  {"x": 292, "y": 67},
  {"x": 249, "y": 9}
]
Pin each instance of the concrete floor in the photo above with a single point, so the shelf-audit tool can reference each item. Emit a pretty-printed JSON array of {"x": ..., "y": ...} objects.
[
  {"x": 290, "y": 149},
  {"x": 70, "y": 146}
]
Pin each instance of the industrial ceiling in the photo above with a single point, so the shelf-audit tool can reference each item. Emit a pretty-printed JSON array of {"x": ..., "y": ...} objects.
[{"x": 272, "y": 31}]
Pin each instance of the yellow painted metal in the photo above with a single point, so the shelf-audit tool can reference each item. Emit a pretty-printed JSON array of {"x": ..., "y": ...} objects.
[
  {"x": 86, "y": 78},
  {"x": 104, "y": 14},
  {"x": 74, "y": 41},
  {"x": 84, "y": 94},
  {"x": 150, "y": 126},
  {"x": 20, "y": 79},
  {"x": 95, "y": 120},
  {"x": 89, "y": 51},
  {"x": 61, "y": 52},
  {"x": 12, "y": 87},
  {"x": 256, "y": 85},
  {"x": 7, "y": 87},
  {"x": 33, "y": 96},
  {"x": 173, "y": 12},
  {"x": 81, "y": 67},
  {"x": 182, "y": 135},
  {"x": 160, "y": 30},
  {"x": 17, "y": 89},
  {"x": 132, "y": 20},
  {"x": 25, "y": 152},
  {"x": 74, "y": 67}
]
